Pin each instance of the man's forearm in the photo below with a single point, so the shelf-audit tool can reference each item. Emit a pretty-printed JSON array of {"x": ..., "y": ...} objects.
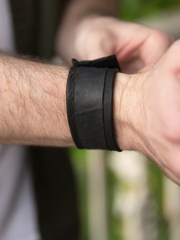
[
  {"x": 33, "y": 108},
  {"x": 76, "y": 12},
  {"x": 33, "y": 103}
]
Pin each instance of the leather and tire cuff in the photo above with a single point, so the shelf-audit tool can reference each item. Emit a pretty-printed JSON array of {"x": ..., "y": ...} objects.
[{"x": 89, "y": 98}]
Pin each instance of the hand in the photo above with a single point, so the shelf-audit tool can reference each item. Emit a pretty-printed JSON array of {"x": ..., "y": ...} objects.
[
  {"x": 136, "y": 47},
  {"x": 147, "y": 113}
]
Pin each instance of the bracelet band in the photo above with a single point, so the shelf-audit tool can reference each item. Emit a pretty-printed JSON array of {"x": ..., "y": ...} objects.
[
  {"x": 108, "y": 109},
  {"x": 89, "y": 99}
]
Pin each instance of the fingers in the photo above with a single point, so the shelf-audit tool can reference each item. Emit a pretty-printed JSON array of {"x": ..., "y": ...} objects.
[
  {"x": 142, "y": 48},
  {"x": 100, "y": 44},
  {"x": 157, "y": 43},
  {"x": 96, "y": 53},
  {"x": 155, "y": 46}
]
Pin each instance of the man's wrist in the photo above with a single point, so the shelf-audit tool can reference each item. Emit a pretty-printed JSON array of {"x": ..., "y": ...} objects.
[{"x": 128, "y": 112}]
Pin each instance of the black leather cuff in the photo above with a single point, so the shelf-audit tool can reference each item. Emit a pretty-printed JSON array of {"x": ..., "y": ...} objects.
[{"x": 89, "y": 99}]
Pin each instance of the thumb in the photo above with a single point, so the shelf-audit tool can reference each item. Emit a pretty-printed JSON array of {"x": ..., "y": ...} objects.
[
  {"x": 98, "y": 53},
  {"x": 100, "y": 46}
]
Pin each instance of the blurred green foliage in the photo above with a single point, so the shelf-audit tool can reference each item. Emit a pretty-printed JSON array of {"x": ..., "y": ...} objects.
[
  {"x": 114, "y": 221},
  {"x": 155, "y": 183},
  {"x": 78, "y": 159},
  {"x": 132, "y": 9}
]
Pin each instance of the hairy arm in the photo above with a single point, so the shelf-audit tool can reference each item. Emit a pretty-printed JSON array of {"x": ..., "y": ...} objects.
[
  {"x": 33, "y": 108},
  {"x": 33, "y": 103}
]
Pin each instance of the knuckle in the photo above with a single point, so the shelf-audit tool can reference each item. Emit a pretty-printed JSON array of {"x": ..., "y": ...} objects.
[{"x": 163, "y": 36}]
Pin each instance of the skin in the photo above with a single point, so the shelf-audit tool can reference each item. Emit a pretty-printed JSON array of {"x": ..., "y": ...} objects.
[
  {"x": 32, "y": 103},
  {"x": 154, "y": 128},
  {"x": 146, "y": 95}
]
